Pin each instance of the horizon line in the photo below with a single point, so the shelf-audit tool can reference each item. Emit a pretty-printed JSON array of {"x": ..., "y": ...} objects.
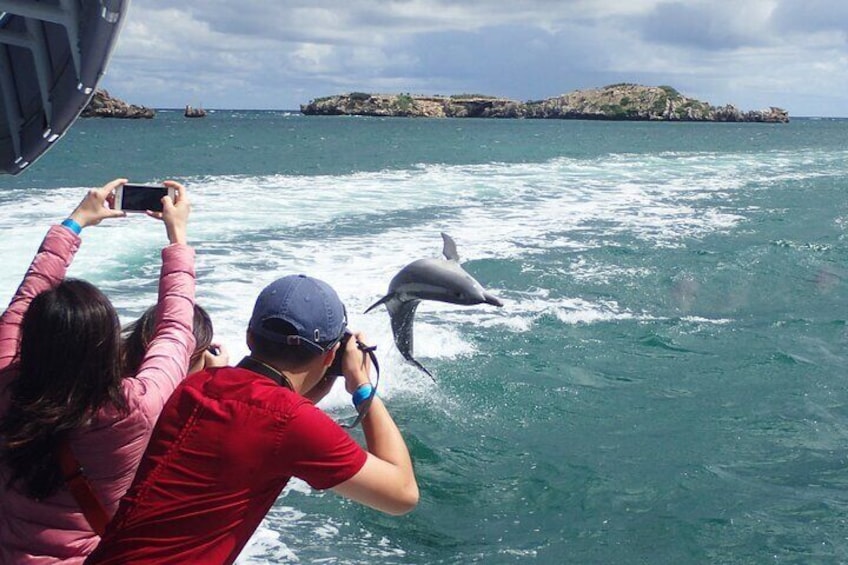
[{"x": 297, "y": 111}]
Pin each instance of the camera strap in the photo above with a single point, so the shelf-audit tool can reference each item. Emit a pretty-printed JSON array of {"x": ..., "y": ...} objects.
[
  {"x": 265, "y": 370},
  {"x": 366, "y": 404}
]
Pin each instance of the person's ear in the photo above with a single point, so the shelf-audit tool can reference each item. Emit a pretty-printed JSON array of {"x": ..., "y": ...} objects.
[
  {"x": 248, "y": 338},
  {"x": 329, "y": 356}
]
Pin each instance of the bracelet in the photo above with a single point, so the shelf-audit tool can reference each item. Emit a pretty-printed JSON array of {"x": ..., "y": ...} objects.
[
  {"x": 72, "y": 225},
  {"x": 361, "y": 394}
]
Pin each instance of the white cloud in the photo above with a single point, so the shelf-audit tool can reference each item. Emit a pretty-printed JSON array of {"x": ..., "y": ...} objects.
[
  {"x": 265, "y": 53},
  {"x": 314, "y": 58}
]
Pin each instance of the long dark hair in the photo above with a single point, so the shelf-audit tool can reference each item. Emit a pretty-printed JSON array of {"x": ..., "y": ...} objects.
[
  {"x": 69, "y": 366},
  {"x": 138, "y": 335}
]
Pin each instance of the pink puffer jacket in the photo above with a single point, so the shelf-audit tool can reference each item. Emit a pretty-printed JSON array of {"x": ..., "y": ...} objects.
[{"x": 55, "y": 530}]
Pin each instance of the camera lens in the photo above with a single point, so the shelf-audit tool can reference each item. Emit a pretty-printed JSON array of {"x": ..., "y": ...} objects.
[{"x": 335, "y": 369}]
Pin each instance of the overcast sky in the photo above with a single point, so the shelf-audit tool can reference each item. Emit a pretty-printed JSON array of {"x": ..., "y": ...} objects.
[{"x": 277, "y": 54}]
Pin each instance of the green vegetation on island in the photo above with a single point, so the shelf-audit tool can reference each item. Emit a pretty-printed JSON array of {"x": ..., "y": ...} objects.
[{"x": 623, "y": 101}]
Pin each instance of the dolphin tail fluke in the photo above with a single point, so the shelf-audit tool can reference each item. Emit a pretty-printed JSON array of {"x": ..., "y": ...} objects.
[
  {"x": 381, "y": 301},
  {"x": 422, "y": 367},
  {"x": 402, "y": 316}
]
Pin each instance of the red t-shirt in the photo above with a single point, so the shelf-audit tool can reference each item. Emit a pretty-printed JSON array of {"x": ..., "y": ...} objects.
[{"x": 224, "y": 447}]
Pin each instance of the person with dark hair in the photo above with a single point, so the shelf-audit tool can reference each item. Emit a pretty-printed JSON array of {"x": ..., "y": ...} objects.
[
  {"x": 73, "y": 428},
  {"x": 230, "y": 438},
  {"x": 137, "y": 336}
]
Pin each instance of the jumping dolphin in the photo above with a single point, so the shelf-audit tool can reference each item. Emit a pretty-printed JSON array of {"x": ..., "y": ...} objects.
[{"x": 429, "y": 279}]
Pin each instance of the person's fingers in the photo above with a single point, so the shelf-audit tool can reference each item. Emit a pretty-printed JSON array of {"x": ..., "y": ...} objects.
[
  {"x": 213, "y": 360},
  {"x": 152, "y": 214},
  {"x": 167, "y": 204},
  {"x": 181, "y": 191},
  {"x": 110, "y": 186},
  {"x": 173, "y": 184}
]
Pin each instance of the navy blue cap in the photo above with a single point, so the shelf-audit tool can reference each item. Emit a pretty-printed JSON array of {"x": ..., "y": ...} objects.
[{"x": 310, "y": 305}]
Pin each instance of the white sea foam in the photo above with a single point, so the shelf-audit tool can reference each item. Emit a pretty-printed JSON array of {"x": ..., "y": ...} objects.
[
  {"x": 246, "y": 231},
  {"x": 250, "y": 230}
]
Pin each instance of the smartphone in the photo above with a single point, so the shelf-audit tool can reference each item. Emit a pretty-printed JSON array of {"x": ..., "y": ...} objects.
[{"x": 141, "y": 197}]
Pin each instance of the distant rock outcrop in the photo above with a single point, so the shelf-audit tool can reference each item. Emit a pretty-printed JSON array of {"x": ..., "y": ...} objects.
[
  {"x": 194, "y": 112},
  {"x": 614, "y": 102},
  {"x": 104, "y": 106}
]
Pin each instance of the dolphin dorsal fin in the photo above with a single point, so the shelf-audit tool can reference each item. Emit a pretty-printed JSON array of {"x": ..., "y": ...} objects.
[{"x": 450, "y": 248}]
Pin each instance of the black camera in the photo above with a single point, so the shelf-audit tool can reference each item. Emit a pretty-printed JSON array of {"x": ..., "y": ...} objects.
[{"x": 335, "y": 370}]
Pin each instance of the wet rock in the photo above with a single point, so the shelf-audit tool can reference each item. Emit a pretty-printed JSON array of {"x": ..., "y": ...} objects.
[{"x": 102, "y": 105}]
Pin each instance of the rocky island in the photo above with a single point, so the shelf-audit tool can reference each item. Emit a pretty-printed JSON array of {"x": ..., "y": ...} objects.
[
  {"x": 614, "y": 102},
  {"x": 104, "y": 106}
]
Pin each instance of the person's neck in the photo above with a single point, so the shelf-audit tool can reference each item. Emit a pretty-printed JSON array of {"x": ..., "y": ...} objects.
[{"x": 293, "y": 379}]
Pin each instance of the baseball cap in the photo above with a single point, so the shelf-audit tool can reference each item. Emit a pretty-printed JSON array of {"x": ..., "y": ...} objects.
[{"x": 310, "y": 305}]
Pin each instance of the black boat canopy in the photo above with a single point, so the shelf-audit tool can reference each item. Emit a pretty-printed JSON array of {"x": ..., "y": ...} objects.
[{"x": 53, "y": 53}]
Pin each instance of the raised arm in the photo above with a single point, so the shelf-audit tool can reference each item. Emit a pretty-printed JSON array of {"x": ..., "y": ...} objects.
[
  {"x": 166, "y": 361},
  {"x": 386, "y": 481},
  {"x": 50, "y": 264}
]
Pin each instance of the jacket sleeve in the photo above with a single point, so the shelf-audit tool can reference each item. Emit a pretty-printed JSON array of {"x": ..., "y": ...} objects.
[
  {"x": 166, "y": 361},
  {"x": 46, "y": 271}
]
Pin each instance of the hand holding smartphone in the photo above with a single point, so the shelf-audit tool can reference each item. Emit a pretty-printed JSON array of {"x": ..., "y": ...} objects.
[{"x": 141, "y": 197}]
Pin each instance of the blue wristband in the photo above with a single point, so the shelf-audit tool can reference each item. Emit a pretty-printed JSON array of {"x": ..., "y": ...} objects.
[
  {"x": 72, "y": 225},
  {"x": 361, "y": 394}
]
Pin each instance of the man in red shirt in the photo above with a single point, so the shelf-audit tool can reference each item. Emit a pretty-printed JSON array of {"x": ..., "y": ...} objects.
[{"x": 230, "y": 438}]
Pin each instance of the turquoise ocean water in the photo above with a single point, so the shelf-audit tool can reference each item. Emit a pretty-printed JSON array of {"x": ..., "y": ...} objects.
[{"x": 666, "y": 382}]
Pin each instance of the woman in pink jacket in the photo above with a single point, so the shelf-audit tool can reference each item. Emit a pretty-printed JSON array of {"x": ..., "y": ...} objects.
[{"x": 62, "y": 386}]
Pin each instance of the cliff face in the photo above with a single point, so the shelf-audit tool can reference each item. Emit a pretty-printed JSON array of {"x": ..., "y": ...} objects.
[
  {"x": 614, "y": 102},
  {"x": 104, "y": 106}
]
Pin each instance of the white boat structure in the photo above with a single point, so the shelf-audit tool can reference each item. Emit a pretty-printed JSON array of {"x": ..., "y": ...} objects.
[{"x": 53, "y": 54}]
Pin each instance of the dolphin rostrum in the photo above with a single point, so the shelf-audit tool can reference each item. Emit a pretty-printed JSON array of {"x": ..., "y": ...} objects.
[{"x": 429, "y": 279}]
